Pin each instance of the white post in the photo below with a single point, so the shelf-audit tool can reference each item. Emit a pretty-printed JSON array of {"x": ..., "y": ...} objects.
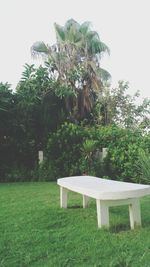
[
  {"x": 63, "y": 197},
  {"x": 40, "y": 156},
  {"x": 104, "y": 152}
]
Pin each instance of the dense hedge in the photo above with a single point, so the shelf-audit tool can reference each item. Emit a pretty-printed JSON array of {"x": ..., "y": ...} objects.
[
  {"x": 75, "y": 150},
  {"x": 66, "y": 154}
]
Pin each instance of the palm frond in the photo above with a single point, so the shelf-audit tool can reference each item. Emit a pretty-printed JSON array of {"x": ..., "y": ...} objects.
[
  {"x": 95, "y": 46},
  {"x": 39, "y": 48},
  {"x": 70, "y": 23},
  {"x": 60, "y": 33},
  {"x": 104, "y": 48},
  {"x": 104, "y": 75},
  {"x": 72, "y": 34},
  {"x": 85, "y": 27}
]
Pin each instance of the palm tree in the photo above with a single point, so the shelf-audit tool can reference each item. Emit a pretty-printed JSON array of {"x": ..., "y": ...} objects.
[{"x": 75, "y": 62}]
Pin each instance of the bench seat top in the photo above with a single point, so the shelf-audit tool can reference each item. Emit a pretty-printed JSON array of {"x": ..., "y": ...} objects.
[{"x": 103, "y": 189}]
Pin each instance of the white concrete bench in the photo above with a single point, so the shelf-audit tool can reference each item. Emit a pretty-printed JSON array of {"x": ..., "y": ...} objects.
[{"x": 107, "y": 193}]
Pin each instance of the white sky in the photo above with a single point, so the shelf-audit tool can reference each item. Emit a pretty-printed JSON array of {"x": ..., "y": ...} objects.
[{"x": 122, "y": 24}]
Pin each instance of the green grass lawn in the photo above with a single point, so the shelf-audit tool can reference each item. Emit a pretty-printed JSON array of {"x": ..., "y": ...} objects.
[{"x": 35, "y": 232}]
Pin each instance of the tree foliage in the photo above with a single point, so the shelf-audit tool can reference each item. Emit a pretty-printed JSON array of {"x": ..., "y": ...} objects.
[
  {"x": 75, "y": 61},
  {"x": 7, "y": 127},
  {"x": 26, "y": 118},
  {"x": 116, "y": 106}
]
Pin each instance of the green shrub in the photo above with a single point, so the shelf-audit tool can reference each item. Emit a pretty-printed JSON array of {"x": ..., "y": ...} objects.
[
  {"x": 143, "y": 166},
  {"x": 74, "y": 150},
  {"x": 123, "y": 149},
  {"x": 64, "y": 150},
  {"x": 15, "y": 174}
]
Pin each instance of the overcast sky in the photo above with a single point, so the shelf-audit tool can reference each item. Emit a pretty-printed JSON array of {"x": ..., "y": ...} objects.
[{"x": 122, "y": 24}]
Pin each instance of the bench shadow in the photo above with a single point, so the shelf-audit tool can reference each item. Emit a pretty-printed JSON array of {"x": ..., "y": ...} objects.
[
  {"x": 75, "y": 207},
  {"x": 119, "y": 228}
]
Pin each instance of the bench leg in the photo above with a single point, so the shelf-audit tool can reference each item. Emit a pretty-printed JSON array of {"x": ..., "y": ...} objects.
[
  {"x": 135, "y": 213},
  {"x": 85, "y": 201},
  {"x": 102, "y": 213},
  {"x": 63, "y": 197}
]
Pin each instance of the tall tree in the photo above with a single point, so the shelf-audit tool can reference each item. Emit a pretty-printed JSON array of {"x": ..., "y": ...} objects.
[
  {"x": 6, "y": 108},
  {"x": 41, "y": 110},
  {"x": 7, "y": 126},
  {"x": 75, "y": 62},
  {"x": 118, "y": 107}
]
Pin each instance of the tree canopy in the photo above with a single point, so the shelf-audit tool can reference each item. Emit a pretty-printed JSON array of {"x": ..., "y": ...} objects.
[{"x": 75, "y": 62}]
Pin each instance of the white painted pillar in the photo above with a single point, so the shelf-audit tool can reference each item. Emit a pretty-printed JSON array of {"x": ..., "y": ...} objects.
[
  {"x": 40, "y": 156},
  {"x": 104, "y": 152}
]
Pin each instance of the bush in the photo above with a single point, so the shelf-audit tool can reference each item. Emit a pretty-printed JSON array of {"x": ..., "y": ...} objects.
[
  {"x": 15, "y": 174},
  {"x": 63, "y": 152},
  {"x": 73, "y": 149},
  {"x": 76, "y": 150},
  {"x": 143, "y": 165}
]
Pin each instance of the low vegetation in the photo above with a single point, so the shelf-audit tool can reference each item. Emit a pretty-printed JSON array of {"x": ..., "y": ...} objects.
[{"x": 36, "y": 232}]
